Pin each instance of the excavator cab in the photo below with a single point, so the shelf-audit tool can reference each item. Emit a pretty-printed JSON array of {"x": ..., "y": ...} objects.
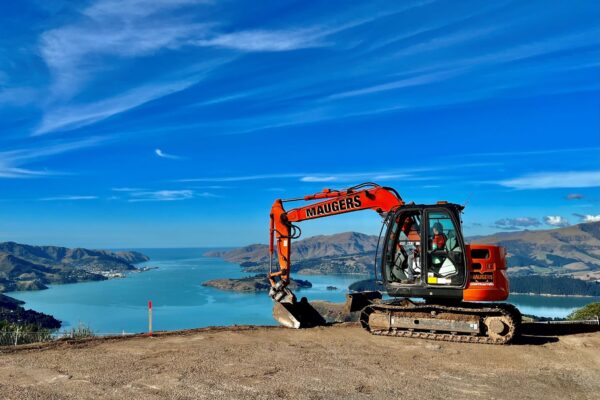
[{"x": 424, "y": 252}]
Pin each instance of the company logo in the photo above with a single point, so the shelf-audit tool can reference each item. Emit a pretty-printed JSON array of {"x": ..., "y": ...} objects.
[{"x": 333, "y": 207}]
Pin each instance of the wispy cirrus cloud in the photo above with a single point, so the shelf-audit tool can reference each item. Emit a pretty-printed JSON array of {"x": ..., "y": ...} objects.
[
  {"x": 440, "y": 42},
  {"x": 416, "y": 173},
  {"x": 302, "y": 177},
  {"x": 69, "y": 198},
  {"x": 265, "y": 40},
  {"x": 553, "y": 180},
  {"x": 417, "y": 80},
  {"x": 294, "y": 38},
  {"x": 126, "y": 189},
  {"x": 13, "y": 162},
  {"x": 240, "y": 178},
  {"x": 76, "y": 116},
  {"x": 427, "y": 73},
  {"x": 354, "y": 177},
  {"x": 162, "y": 154},
  {"x": 161, "y": 195},
  {"x": 141, "y": 195},
  {"x": 137, "y": 28},
  {"x": 123, "y": 29}
]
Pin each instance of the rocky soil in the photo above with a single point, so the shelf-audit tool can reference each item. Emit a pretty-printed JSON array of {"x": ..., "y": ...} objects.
[{"x": 340, "y": 361}]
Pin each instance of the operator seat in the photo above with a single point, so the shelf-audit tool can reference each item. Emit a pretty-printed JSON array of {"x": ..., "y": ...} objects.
[{"x": 451, "y": 242}]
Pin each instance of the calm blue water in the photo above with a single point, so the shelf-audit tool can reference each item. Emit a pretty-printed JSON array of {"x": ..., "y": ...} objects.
[{"x": 180, "y": 301}]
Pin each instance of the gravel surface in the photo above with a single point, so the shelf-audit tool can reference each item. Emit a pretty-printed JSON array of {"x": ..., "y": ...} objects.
[{"x": 340, "y": 361}]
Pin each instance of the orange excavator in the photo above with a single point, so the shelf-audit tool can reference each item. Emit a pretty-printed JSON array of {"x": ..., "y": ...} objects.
[{"x": 421, "y": 255}]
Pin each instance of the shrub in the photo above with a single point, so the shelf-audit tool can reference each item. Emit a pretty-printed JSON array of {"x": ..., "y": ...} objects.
[
  {"x": 590, "y": 311},
  {"x": 80, "y": 332}
]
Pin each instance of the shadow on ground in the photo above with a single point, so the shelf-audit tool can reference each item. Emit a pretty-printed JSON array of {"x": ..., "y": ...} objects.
[{"x": 542, "y": 333}]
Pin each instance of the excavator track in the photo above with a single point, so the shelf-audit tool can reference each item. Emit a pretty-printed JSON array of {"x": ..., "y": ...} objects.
[{"x": 467, "y": 322}]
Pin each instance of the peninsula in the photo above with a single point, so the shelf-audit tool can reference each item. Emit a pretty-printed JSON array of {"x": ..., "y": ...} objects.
[{"x": 26, "y": 267}]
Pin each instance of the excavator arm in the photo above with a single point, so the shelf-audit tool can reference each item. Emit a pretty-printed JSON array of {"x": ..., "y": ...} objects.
[{"x": 366, "y": 196}]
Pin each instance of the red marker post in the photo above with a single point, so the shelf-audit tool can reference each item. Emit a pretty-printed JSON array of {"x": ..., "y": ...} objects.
[{"x": 150, "y": 318}]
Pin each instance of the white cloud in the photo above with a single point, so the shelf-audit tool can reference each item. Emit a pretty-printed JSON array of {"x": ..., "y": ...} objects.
[
  {"x": 319, "y": 178},
  {"x": 417, "y": 80},
  {"x": 168, "y": 195},
  {"x": 240, "y": 178},
  {"x": 551, "y": 180},
  {"x": 265, "y": 40},
  {"x": 162, "y": 154},
  {"x": 133, "y": 8},
  {"x": 111, "y": 28},
  {"x": 126, "y": 189},
  {"x": 162, "y": 195},
  {"x": 589, "y": 218},
  {"x": 69, "y": 198},
  {"x": 12, "y": 162},
  {"x": 556, "y": 220},
  {"x": 135, "y": 28},
  {"x": 75, "y": 116},
  {"x": 133, "y": 195},
  {"x": 412, "y": 174},
  {"x": 355, "y": 177}
]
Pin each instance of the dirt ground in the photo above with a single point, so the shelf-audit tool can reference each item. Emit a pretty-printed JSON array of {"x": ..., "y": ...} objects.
[{"x": 341, "y": 361}]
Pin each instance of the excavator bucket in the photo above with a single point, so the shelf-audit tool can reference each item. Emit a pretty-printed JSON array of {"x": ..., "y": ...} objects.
[
  {"x": 297, "y": 315},
  {"x": 359, "y": 300}
]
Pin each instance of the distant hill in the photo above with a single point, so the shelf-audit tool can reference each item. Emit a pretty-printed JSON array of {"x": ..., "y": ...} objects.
[
  {"x": 574, "y": 250},
  {"x": 571, "y": 251},
  {"x": 25, "y": 267},
  {"x": 348, "y": 252},
  {"x": 339, "y": 244}
]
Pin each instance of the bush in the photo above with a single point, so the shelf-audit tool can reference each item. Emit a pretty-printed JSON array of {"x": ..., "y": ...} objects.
[
  {"x": 80, "y": 332},
  {"x": 591, "y": 311}
]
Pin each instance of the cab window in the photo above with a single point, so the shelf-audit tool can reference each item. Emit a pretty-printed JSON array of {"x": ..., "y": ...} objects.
[
  {"x": 445, "y": 256},
  {"x": 403, "y": 256}
]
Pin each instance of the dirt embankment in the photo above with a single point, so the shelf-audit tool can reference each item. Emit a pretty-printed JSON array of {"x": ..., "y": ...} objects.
[{"x": 340, "y": 361}]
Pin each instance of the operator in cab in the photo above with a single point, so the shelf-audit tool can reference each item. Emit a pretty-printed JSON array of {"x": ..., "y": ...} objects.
[{"x": 439, "y": 238}]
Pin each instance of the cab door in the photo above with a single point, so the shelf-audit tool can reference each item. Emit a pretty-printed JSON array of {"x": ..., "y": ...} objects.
[
  {"x": 444, "y": 250},
  {"x": 402, "y": 256}
]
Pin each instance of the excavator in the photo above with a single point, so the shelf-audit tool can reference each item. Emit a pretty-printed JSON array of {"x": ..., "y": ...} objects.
[{"x": 421, "y": 254}]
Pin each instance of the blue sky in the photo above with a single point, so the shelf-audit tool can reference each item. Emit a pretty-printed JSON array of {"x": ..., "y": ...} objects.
[{"x": 178, "y": 122}]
